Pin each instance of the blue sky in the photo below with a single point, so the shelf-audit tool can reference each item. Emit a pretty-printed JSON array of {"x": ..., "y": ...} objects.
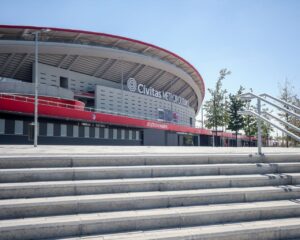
[{"x": 258, "y": 41}]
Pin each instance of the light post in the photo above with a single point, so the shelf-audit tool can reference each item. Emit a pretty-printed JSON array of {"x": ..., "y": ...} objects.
[
  {"x": 259, "y": 142},
  {"x": 36, "y": 86}
]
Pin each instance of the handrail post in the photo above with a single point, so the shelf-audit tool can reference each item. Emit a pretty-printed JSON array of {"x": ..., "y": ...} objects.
[{"x": 259, "y": 142}]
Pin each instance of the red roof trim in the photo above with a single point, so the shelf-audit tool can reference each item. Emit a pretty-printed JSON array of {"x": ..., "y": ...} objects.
[{"x": 202, "y": 87}]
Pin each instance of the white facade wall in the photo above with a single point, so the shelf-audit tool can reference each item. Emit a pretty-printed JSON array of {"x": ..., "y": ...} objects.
[
  {"x": 113, "y": 100},
  {"x": 77, "y": 82},
  {"x": 110, "y": 98}
]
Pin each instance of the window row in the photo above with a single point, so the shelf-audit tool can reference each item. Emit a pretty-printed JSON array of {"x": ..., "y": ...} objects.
[{"x": 19, "y": 127}]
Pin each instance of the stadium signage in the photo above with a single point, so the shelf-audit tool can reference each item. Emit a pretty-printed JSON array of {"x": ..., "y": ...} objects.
[{"x": 133, "y": 86}]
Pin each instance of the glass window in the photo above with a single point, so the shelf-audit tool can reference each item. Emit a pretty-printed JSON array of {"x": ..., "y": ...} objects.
[
  {"x": 86, "y": 132},
  {"x": 101, "y": 132},
  {"x": 63, "y": 130},
  {"x": 50, "y": 127},
  {"x": 63, "y": 82},
  {"x": 2, "y": 126},
  {"x": 96, "y": 132},
  {"x": 106, "y": 133},
  {"x": 191, "y": 121},
  {"x": 161, "y": 114},
  {"x": 115, "y": 133},
  {"x": 137, "y": 135},
  {"x": 75, "y": 131},
  {"x": 123, "y": 134},
  {"x": 130, "y": 135},
  {"x": 18, "y": 127}
]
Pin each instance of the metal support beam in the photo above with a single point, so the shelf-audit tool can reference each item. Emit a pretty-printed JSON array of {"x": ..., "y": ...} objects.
[
  {"x": 25, "y": 33},
  {"x": 73, "y": 62},
  {"x": 100, "y": 67},
  {"x": 146, "y": 49},
  {"x": 189, "y": 95},
  {"x": 171, "y": 83},
  {"x": 77, "y": 37},
  {"x": 155, "y": 77},
  {"x": 113, "y": 62},
  {"x": 62, "y": 61},
  {"x": 117, "y": 42},
  {"x": 7, "y": 62},
  {"x": 26, "y": 56},
  {"x": 135, "y": 71},
  {"x": 164, "y": 57},
  {"x": 182, "y": 89},
  {"x": 193, "y": 97}
]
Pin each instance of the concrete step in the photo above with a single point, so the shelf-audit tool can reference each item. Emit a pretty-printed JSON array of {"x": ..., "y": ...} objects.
[
  {"x": 101, "y": 223},
  {"x": 37, "y": 207},
  {"x": 87, "y": 173},
  {"x": 85, "y": 187},
  {"x": 140, "y": 159},
  {"x": 278, "y": 229}
]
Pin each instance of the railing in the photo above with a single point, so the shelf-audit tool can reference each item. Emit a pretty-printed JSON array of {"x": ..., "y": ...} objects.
[
  {"x": 27, "y": 99},
  {"x": 259, "y": 115},
  {"x": 30, "y": 99}
]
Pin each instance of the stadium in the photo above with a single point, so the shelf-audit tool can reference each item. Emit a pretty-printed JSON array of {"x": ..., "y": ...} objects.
[{"x": 99, "y": 89}]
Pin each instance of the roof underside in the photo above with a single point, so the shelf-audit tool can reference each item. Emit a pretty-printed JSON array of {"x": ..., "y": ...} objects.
[{"x": 19, "y": 65}]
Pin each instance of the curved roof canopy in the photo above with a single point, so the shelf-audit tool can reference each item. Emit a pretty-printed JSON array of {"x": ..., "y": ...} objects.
[{"x": 149, "y": 64}]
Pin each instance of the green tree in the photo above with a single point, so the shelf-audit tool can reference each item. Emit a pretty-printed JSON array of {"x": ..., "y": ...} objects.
[
  {"x": 250, "y": 123},
  {"x": 294, "y": 120},
  {"x": 225, "y": 112},
  {"x": 287, "y": 95},
  {"x": 266, "y": 128},
  {"x": 215, "y": 107},
  {"x": 236, "y": 120}
]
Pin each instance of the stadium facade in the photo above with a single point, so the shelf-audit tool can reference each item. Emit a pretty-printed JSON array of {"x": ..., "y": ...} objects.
[{"x": 97, "y": 88}]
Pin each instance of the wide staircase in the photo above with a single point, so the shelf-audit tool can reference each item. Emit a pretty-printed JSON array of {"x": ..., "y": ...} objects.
[{"x": 150, "y": 197}]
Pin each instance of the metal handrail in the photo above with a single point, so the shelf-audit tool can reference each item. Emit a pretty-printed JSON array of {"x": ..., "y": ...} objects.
[
  {"x": 282, "y": 121},
  {"x": 281, "y": 101},
  {"x": 292, "y": 135},
  {"x": 258, "y": 115},
  {"x": 250, "y": 96}
]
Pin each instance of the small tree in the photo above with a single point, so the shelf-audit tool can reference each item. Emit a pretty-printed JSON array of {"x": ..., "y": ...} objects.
[
  {"x": 266, "y": 128},
  {"x": 295, "y": 120},
  {"x": 250, "y": 122},
  {"x": 287, "y": 95},
  {"x": 236, "y": 120},
  {"x": 215, "y": 107},
  {"x": 225, "y": 112},
  {"x": 250, "y": 127}
]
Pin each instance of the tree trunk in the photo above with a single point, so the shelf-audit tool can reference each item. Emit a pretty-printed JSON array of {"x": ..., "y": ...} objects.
[
  {"x": 236, "y": 143},
  {"x": 215, "y": 135}
]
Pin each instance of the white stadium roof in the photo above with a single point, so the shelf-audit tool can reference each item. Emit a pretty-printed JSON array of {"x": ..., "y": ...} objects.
[{"x": 100, "y": 55}]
